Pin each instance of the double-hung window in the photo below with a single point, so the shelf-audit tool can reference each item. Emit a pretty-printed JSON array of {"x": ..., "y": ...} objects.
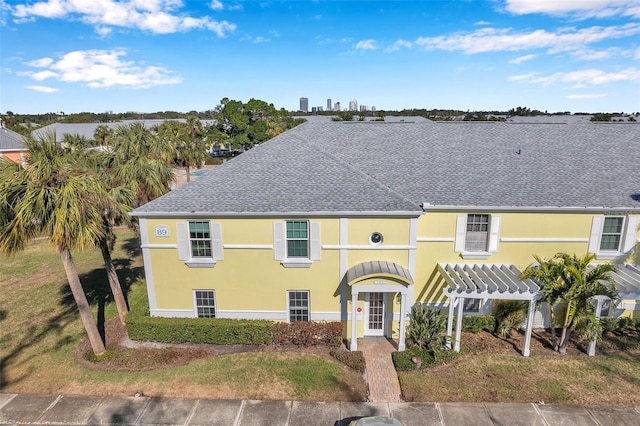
[
  {"x": 611, "y": 233},
  {"x": 200, "y": 239},
  {"x": 613, "y": 236},
  {"x": 205, "y": 303},
  {"x": 477, "y": 235},
  {"x": 298, "y": 305},
  {"x": 297, "y": 238}
]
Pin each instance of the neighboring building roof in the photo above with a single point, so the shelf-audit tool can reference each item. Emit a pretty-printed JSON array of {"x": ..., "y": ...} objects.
[
  {"x": 11, "y": 141},
  {"x": 396, "y": 167},
  {"x": 88, "y": 129}
]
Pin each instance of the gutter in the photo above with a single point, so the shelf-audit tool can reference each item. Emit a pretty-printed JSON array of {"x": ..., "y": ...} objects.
[{"x": 532, "y": 209}]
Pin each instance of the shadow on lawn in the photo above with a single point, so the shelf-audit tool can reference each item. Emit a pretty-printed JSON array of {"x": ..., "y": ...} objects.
[{"x": 98, "y": 292}]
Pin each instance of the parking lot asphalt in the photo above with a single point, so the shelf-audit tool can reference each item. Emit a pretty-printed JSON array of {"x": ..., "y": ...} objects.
[{"x": 120, "y": 410}]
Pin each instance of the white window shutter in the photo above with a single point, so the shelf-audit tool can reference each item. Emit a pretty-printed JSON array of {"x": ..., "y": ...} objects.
[
  {"x": 630, "y": 234},
  {"x": 183, "y": 241},
  {"x": 216, "y": 241},
  {"x": 494, "y": 233},
  {"x": 278, "y": 240},
  {"x": 461, "y": 232},
  {"x": 315, "y": 241},
  {"x": 596, "y": 231}
]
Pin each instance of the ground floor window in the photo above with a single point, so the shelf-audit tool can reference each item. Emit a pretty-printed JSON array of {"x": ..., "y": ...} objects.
[
  {"x": 205, "y": 303},
  {"x": 471, "y": 305},
  {"x": 298, "y": 305}
]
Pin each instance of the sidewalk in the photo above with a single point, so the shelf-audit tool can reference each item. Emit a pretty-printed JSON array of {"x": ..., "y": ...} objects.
[{"x": 97, "y": 410}]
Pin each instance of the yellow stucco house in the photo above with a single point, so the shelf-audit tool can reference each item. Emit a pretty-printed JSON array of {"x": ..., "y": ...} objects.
[{"x": 355, "y": 222}]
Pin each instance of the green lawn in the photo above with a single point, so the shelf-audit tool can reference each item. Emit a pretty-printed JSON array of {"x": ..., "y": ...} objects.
[{"x": 41, "y": 331}]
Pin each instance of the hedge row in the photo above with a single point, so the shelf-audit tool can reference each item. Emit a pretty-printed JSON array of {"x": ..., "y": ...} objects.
[
  {"x": 223, "y": 331},
  {"x": 477, "y": 323},
  {"x": 352, "y": 359},
  {"x": 621, "y": 324},
  {"x": 217, "y": 331}
]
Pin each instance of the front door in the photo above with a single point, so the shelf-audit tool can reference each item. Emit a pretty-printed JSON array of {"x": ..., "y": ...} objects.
[{"x": 374, "y": 321}]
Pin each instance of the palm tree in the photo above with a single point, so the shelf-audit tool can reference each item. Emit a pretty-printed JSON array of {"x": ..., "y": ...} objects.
[
  {"x": 49, "y": 197},
  {"x": 573, "y": 281},
  {"x": 102, "y": 135}
]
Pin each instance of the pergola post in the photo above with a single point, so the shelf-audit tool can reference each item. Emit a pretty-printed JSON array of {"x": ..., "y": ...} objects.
[
  {"x": 456, "y": 344},
  {"x": 529, "y": 330},
  {"x": 452, "y": 302},
  {"x": 599, "y": 302},
  {"x": 354, "y": 322},
  {"x": 403, "y": 321}
]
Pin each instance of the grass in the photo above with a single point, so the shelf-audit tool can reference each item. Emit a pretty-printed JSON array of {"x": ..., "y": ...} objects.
[
  {"x": 612, "y": 379},
  {"x": 41, "y": 331}
]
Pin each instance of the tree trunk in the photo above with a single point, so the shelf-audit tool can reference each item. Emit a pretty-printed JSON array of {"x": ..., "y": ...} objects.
[
  {"x": 114, "y": 282},
  {"x": 81, "y": 301},
  {"x": 187, "y": 168}
]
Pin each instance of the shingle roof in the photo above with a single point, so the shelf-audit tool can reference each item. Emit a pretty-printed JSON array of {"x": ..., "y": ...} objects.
[
  {"x": 395, "y": 167},
  {"x": 11, "y": 141}
]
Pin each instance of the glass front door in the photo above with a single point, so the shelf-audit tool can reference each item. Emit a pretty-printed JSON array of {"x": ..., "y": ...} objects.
[{"x": 374, "y": 321}]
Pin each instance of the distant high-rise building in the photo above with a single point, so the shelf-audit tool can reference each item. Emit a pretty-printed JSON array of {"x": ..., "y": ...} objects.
[
  {"x": 329, "y": 104},
  {"x": 353, "y": 105},
  {"x": 314, "y": 109},
  {"x": 373, "y": 109},
  {"x": 304, "y": 104},
  {"x": 363, "y": 108},
  {"x": 336, "y": 106}
]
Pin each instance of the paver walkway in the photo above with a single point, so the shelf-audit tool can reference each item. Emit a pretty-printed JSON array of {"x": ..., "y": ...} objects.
[{"x": 380, "y": 373}]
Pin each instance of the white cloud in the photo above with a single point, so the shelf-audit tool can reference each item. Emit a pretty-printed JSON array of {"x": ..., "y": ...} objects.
[
  {"x": 369, "y": 44},
  {"x": 481, "y": 23},
  {"x": 581, "y": 78},
  {"x": 155, "y": 16},
  {"x": 216, "y": 5},
  {"x": 579, "y": 9},
  {"x": 521, "y": 59},
  {"x": 496, "y": 40},
  {"x": 588, "y": 96},
  {"x": 100, "y": 68},
  {"x": 398, "y": 45},
  {"x": 43, "y": 89},
  {"x": 261, "y": 39}
]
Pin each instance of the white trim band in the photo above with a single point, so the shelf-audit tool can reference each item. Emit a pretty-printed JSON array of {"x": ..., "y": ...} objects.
[{"x": 367, "y": 247}]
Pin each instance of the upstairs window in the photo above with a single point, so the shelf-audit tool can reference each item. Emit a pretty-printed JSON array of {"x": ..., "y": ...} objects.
[
  {"x": 297, "y": 239},
  {"x": 611, "y": 233},
  {"x": 200, "y": 238},
  {"x": 477, "y": 234}
]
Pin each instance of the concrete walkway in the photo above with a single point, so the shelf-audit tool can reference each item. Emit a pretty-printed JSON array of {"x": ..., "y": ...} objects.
[
  {"x": 116, "y": 410},
  {"x": 380, "y": 373}
]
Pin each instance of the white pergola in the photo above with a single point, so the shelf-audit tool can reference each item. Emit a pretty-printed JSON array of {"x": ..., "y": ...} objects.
[
  {"x": 627, "y": 282},
  {"x": 486, "y": 281}
]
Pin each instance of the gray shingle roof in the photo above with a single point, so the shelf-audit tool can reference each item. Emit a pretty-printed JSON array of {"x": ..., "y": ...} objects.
[
  {"x": 11, "y": 141},
  {"x": 395, "y": 167}
]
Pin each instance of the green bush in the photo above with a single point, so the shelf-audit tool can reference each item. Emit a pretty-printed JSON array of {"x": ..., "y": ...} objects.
[
  {"x": 404, "y": 361},
  {"x": 217, "y": 331},
  {"x": 307, "y": 333},
  {"x": 508, "y": 315},
  {"x": 609, "y": 324},
  {"x": 352, "y": 359},
  {"x": 426, "y": 328},
  {"x": 477, "y": 323}
]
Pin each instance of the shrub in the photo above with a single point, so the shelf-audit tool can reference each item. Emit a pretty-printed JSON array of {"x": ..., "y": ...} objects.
[
  {"x": 352, "y": 359},
  {"x": 477, "y": 323},
  {"x": 418, "y": 359},
  {"x": 426, "y": 329},
  {"x": 609, "y": 324},
  {"x": 508, "y": 315},
  {"x": 307, "y": 333},
  {"x": 218, "y": 331}
]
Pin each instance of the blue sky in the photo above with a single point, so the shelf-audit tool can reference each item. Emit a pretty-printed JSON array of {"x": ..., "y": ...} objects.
[{"x": 157, "y": 55}]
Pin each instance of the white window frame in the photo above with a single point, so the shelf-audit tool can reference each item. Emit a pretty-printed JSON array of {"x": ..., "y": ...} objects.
[
  {"x": 185, "y": 252},
  {"x": 492, "y": 237},
  {"x": 289, "y": 307},
  {"x": 195, "y": 303},
  {"x": 627, "y": 237},
  {"x": 280, "y": 245}
]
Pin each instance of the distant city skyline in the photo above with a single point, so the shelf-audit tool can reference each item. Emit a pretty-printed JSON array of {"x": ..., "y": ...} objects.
[{"x": 166, "y": 55}]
